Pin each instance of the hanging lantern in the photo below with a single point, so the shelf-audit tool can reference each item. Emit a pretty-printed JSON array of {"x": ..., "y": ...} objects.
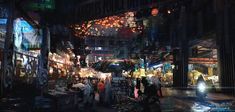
[{"x": 154, "y": 12}]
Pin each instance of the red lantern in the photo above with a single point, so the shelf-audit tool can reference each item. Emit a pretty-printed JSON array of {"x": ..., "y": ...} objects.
[{"x": 154, "y": 12}]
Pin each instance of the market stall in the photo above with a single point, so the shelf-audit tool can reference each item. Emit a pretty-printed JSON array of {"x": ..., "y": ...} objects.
[
  {"x": 208, "y": 71},
  {"x": 27, "y": 41},
  {"x": 60, "y": 65}
]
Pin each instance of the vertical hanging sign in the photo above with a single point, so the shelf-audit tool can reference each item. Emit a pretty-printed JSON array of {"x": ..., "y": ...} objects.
[{"x": 3, "y": 23}]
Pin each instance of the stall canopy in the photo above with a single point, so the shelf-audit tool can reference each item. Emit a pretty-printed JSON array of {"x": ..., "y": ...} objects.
[{"x": 114, "y": 65}]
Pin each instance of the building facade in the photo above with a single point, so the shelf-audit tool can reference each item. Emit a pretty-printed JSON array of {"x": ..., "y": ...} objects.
[{"x": 102, "y": 48}]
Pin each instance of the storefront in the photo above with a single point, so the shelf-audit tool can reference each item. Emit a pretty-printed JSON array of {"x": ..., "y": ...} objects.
[
  {"x": 206, "y": 67},
  {"x": 27, "y": 42},
  {"x": 204, "y": 62},
  {"x": 61, "y": 65}
]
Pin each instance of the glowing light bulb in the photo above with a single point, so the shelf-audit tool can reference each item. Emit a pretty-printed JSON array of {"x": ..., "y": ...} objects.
[{"x": 168, "y": 11}]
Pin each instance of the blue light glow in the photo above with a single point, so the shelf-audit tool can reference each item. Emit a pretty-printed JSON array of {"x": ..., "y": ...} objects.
[
  {"x": 3, "y": 21},
  {"x": 202, "y": 87},
  {"x": 21, "y": 25},
  {"x": 26, "y": 37}
]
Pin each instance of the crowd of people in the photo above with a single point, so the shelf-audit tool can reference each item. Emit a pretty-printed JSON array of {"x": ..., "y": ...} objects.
[
  {"x": 99, "y": 91},
  {"x": 94, "y": 91}
]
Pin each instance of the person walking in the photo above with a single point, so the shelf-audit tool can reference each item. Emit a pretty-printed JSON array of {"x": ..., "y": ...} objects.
[
  {"x": 86, "y": 93},
  {"x": 101, "y": 89},
  {"x": 157, "y": 83},
  {"x": 137, "y": 88},
  {"x": 160, "y": 86},
  {"x": 107, "y": 99}
]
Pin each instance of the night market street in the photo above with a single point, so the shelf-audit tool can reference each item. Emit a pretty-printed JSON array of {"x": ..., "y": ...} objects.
[{"x": 117, "y": 55}]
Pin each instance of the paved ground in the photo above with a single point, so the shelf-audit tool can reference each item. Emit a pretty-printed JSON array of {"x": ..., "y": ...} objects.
[
  {"x": 183, "y": 101},
  {"x": 186, "y": 100},
  {"x": 104, "y": 109}
]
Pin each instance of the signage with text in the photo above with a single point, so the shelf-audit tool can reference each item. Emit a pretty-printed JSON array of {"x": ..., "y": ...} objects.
[{"x": 42, "y": 5}]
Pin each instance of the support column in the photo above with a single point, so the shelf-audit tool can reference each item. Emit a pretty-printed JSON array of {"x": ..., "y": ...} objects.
[
  {"x": 7, "y": 65},
  {"x": 200, "y": 23},
  {"x": 181, "y": 55},
  {"x": 232, "y": 35},
  {"x": 42, "y": 76},
  {"x": 225, "y": 46}
]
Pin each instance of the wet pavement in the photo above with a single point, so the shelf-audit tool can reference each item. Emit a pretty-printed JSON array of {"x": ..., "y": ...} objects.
[
  {"x": 186, "y": 100},
  {"x": 175, "y": 100},
  {"x": 105, "y": 109}
]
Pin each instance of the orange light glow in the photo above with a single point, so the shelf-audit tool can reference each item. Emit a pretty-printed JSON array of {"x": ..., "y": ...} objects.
[{"x": 154, "y": 12}]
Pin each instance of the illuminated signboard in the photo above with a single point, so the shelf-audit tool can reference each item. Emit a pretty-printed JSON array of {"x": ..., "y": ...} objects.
[
  {"x": 3, "y": 21},
  {"x": 26, "y": 37},
  {"x": 42, "y": 5}
]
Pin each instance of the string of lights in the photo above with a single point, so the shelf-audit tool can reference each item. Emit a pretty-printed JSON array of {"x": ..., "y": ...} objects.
[{"x": 108, "y": 26}]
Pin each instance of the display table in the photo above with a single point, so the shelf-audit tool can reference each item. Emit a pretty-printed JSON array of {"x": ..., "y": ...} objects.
[{"x": 63, "y": 100}]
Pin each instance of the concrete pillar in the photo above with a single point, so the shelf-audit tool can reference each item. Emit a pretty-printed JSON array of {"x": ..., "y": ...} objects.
[
  {"x": 181, "y": 55},
  {"x": 226, "y": 55},
  {"x": 7, "y": 62},
  {"x": 42, "y": 76},
  {"x": 200, "y": 23}
]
